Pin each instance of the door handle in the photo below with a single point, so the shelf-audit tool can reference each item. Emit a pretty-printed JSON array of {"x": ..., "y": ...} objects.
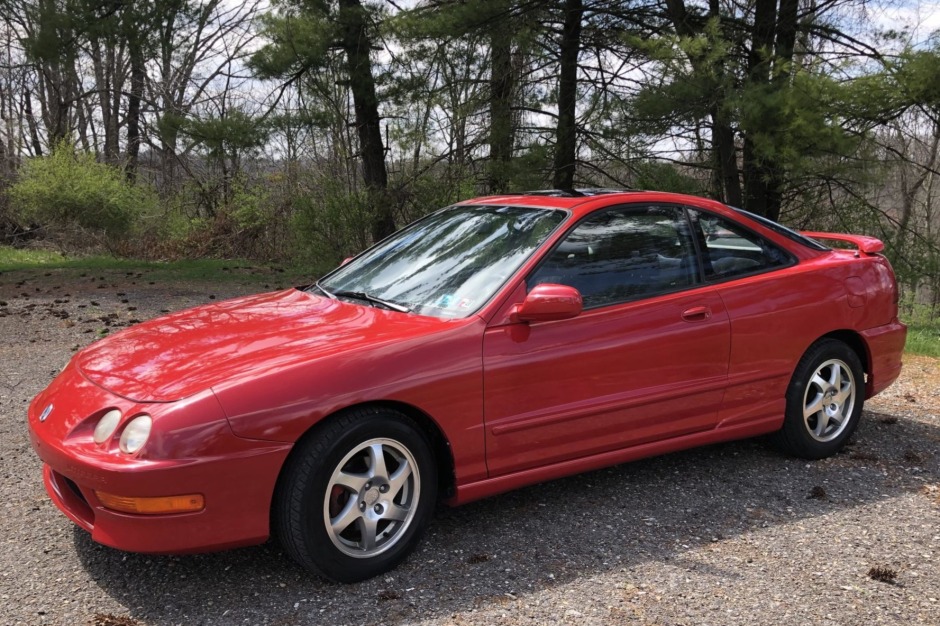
[{"x": 697, "y": 314}]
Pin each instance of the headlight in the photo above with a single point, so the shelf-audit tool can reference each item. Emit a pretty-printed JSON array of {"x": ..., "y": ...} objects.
[
  {"x": 107, "y": 425},
  {"x": 135, "y": 434}
]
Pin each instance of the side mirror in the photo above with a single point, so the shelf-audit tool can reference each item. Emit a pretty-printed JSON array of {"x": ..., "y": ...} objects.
[{"x": 548, "y": 302}]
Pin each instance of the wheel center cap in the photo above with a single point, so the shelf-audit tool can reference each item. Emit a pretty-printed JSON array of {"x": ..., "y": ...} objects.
[{"x": 371, "y": 496}]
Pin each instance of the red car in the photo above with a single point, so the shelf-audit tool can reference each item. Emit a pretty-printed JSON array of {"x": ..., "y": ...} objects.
[{"x": 496, "y": 343}]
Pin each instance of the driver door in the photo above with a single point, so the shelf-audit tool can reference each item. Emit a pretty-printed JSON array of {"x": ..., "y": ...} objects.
[{"x": 646, "y": 360}]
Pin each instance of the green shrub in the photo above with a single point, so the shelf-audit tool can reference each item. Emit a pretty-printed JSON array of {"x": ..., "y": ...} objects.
[
  {"x": 67, "y": 189},
  {"x": 660, "y": 176},
  {"x": 329, "y": 223},
  {"x": 428, "y": 193},
  {"x": 249, "y": 207}
]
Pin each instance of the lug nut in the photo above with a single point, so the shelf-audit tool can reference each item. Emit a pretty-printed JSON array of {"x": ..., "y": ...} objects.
[
  {"x": 368, "y": 485},
  {"x": 378, "y": 508},
  {"x": 383, "y": 488},
  {"x": 362, "y": 506}
]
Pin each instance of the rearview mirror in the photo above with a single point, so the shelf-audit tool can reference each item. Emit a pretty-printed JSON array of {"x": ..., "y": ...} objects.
[{"x": 548, "y": 302}]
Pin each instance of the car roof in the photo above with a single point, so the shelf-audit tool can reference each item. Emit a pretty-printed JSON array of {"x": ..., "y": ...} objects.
[{"x": 581, "y": 201}]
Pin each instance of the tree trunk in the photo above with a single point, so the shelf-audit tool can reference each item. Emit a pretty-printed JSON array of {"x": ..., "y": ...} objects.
[
  {"x": 31, "y": 123},
  {"x": 786, "y": 38},
  {"x": 357, "y": 44},
  {"x": 56, "y": 98},
  {"x": 761, "y": 178},
  {"x": 103, "y": 65},
  {"x": 755, "y": 184},
  {"x": 167, "y": 123},
  {"x": 726, "y": 155},
  {"x": 138, "y": 75},
  {"x": 501, "y": 88},
  {"x": 566, "y": 145}
]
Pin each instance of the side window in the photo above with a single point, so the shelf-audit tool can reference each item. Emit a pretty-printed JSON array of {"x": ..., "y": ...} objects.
[
  {"x": 623, "y": 254},
  {"x": 729, "y": 250}
]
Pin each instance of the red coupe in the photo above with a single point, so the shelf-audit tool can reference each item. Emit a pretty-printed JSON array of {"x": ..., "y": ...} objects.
[{"x": 496, "y": 343}]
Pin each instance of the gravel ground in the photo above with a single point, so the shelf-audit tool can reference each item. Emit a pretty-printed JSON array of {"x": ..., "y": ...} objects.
[{"x": 729, "y": 534}]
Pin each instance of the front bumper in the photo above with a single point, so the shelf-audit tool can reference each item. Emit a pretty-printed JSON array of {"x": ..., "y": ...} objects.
[{"x": 236, "y": 476}]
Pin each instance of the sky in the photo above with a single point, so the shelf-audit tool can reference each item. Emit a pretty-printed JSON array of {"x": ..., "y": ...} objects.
[{"x": 920, "y": 17}]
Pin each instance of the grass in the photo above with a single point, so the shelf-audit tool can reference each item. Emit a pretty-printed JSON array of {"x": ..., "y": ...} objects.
[
  {"x": 923, "y": 331},
  {"x": 16, "y": 258},
  {"x": 30, "y": 261}
]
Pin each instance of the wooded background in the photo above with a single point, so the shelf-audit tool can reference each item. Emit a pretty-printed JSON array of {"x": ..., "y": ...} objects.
[{"x": 301, "y": 131}]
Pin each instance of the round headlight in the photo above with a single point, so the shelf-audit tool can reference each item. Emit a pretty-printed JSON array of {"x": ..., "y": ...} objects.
[
  {"x": 107, "y": 425},
  {"x": 135, "y": 434}
]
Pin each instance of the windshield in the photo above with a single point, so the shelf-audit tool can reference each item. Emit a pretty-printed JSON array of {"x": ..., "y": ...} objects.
[{"x": 448, "y": 264}]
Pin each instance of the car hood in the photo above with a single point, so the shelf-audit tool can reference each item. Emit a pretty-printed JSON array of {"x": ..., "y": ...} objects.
[{"x": 175, "y": 356}]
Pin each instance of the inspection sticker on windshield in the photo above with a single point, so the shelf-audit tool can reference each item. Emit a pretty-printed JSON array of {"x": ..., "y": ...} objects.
[{"x": 446, "y": 301}]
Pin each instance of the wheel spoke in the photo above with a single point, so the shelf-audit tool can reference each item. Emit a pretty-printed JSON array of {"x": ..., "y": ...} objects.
[
  {"x": 347, "y": 516},
  {"x": 819, "y": 381},
  {"x": 397, "y": 480},
  {"x": 835, "y": 376},
  {"x": 813, "y": 407},
  {"x": 822, "y": 421},
  {"x": 352, "y": 482},
  {"x": 843, "y": 394},
  {"x": 377, "y": 461},
  {"x": 396, "y": 512},
  {"x": 367, "y": 531}
]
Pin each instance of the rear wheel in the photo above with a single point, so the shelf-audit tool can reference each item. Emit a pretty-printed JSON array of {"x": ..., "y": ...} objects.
[
  {"x": 824, "y": 401},
  {"x": 356, "y": 494}
]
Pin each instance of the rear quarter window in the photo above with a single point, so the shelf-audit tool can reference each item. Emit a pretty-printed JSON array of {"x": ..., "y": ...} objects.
[{"x": 730, "y": 250}]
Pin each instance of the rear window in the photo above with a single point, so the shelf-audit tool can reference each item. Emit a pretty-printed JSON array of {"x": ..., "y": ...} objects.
[
  {"x": 731, "y": 251},
  {"x": 780, "y": 229}
]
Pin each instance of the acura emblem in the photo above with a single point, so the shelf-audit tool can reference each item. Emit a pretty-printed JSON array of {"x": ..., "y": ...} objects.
[{"x": 45, "y": 413}]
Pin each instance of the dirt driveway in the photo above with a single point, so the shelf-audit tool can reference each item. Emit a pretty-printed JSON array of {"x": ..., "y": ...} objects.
[{"x": 730, "y": 534}]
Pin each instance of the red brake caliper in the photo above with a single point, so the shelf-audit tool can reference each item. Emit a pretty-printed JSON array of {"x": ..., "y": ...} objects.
[{"x": 338, "y": 499}]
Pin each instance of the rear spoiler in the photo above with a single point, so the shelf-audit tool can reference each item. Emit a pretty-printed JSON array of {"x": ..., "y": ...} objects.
[{"x": 868, "y": 245}]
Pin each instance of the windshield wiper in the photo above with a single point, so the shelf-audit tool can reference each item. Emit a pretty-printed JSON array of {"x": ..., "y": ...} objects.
[{"x": 361, "y": 295}]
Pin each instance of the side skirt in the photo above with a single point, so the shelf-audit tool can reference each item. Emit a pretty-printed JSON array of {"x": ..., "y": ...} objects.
[{"x": 492, "y": 486}]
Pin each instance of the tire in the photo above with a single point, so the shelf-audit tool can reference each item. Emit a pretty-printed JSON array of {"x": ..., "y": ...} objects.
[
  {"x": 356, "y": 494},
  {"x": 824, "y": 401}
]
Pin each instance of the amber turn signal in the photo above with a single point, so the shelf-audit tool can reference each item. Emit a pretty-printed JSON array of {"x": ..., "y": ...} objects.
[{"x": 153, "y": 506}]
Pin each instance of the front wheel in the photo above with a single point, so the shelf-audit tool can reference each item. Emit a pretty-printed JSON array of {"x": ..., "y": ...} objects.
[
  {"x": 356, "y": 494},
  {"x": 824, "y": 401}
]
